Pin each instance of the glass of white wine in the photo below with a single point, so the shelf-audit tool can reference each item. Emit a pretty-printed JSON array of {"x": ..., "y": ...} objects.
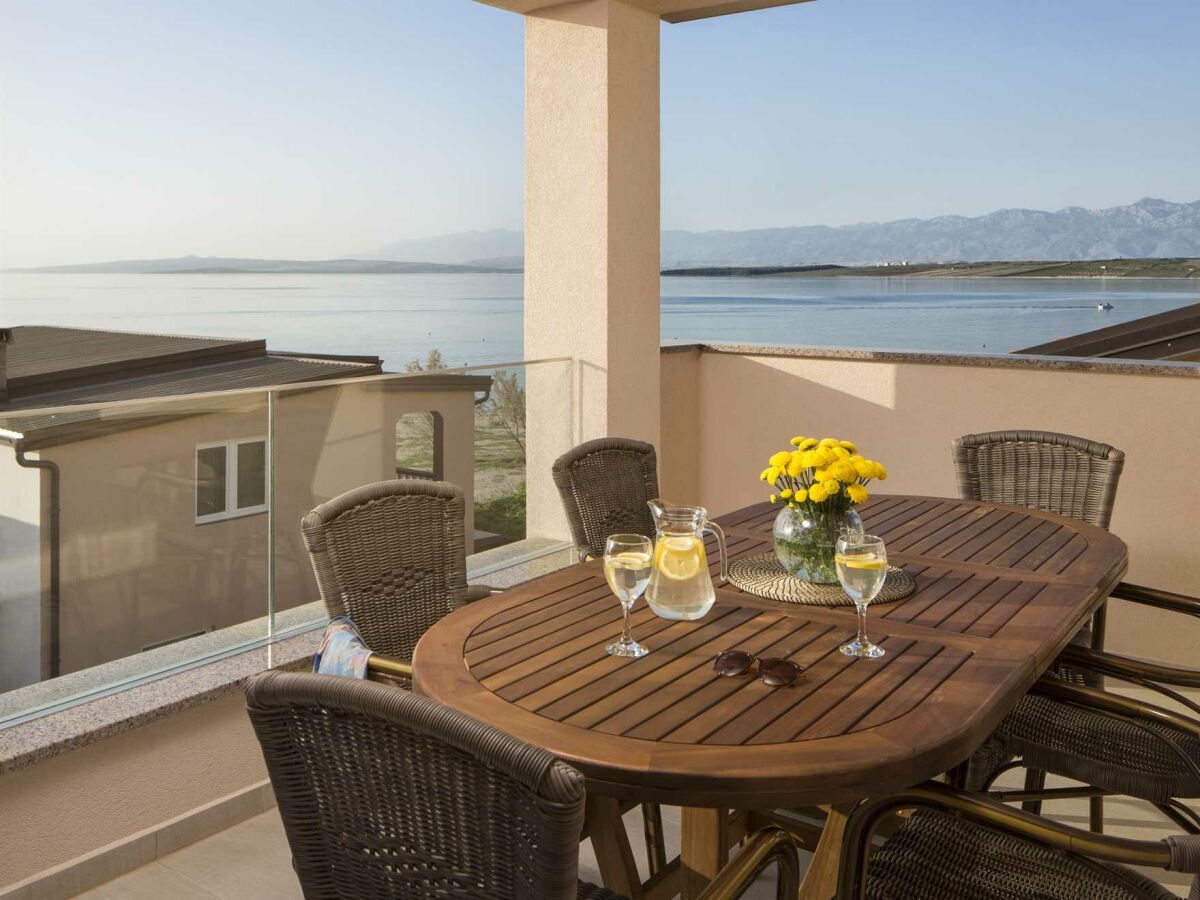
[
  {"x": 861, "y": 568},
  {"x": 628, "y": 559}
]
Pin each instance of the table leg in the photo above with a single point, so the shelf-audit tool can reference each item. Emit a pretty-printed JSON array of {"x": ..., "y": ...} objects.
[
  {"x": 820, "y": 881},
  {"x": 611, "y": 843},
  {"x": 703, "y": 847}
]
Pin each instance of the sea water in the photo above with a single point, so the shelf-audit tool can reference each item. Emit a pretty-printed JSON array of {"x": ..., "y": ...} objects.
[{"x": 477, "y": 318}]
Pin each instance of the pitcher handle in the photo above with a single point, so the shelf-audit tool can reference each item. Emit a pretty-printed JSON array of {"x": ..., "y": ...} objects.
[{"x": 720, "y": 535}]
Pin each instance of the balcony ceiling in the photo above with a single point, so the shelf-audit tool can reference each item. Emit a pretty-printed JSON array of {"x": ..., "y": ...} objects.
[{"x": 668, "y": 10}]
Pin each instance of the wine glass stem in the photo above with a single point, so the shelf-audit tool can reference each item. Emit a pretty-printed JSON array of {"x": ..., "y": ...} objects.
[
  {"x": 862, "y": 622},
  {"x": 627, "y": 634}
]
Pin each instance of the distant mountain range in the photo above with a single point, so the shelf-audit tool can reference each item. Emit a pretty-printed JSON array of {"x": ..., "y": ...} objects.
[{"x": 1146, "y": 229}]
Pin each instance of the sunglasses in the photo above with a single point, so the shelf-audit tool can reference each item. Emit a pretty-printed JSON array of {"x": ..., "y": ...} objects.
[{"x": 773, "y": 671}]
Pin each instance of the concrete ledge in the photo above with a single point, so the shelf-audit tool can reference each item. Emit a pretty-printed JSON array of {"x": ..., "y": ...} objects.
[
  {"x": 127, "y": 854},
  {"x": 1157, "y": 368}
]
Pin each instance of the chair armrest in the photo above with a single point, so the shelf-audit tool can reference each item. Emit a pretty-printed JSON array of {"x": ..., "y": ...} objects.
[
  {"x": 1135, "y": 670},
  {"x": 1115, "y": 705},
  {"x": 378, "y": 664},
  {"x": 1136, "y": 593},
  {"x": 480, "y": 592},
  {"x": 865, "y": 817},
  {"x": 769, "y": 845}
]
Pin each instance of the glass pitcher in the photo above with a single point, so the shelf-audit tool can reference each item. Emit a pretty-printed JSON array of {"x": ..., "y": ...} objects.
[{"x": 680, "y": 586}]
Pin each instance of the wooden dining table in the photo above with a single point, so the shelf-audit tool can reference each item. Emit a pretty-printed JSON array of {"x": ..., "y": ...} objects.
[{"x": 999, "y": 592}]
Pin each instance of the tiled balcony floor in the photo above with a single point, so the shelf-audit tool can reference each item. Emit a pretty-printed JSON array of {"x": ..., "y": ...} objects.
[{"x": 252, "y": 858}]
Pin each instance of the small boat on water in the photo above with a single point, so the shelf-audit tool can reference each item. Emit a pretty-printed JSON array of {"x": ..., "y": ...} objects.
[{"x": 1104, "y": 306}]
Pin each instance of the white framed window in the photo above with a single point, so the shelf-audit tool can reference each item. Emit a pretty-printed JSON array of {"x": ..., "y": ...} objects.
[{"x": 231, "y": 479}]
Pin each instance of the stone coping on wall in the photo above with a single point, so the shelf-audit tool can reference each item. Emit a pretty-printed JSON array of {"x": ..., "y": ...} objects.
[{"x": 1157, "y": 368}]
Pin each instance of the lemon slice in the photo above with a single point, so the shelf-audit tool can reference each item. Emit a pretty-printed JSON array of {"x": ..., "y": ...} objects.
[
  {"x": 679, "y": 557},
  {"x": 862, "y": 562}
]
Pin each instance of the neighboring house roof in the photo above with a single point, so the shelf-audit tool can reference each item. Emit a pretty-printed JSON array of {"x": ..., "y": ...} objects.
[
  {"x": 1172, "y": 335},
  {"x": 53, "y": 367}
]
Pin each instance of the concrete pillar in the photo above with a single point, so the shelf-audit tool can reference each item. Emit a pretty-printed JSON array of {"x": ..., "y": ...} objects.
[{"x": 591, "y": 227}]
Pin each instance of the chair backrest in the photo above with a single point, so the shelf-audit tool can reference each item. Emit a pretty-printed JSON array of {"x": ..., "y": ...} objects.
[
  {"x": 1058, "y": 473},
  {"x": 387, "y": 794},
  {"x": 604, "y": 485},
  {"x": 391, "y": 557}
]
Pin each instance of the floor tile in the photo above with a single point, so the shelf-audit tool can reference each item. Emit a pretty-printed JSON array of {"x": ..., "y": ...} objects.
[{"x": 152, "y": 882}]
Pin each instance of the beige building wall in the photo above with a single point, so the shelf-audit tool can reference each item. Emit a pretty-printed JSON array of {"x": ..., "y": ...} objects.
[
  {"x": 906, "y": 414},
  {"x": 591, "y": 228},
  {"x": 137, "y": 570}
]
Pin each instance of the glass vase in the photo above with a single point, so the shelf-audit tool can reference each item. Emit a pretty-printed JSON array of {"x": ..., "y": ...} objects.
[{"x": 806, "y": 537}]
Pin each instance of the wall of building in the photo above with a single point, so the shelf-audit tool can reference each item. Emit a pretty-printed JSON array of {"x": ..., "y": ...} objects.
[
  {"x": 20, "y": 572},
  {"x": 906, "y": 414}
]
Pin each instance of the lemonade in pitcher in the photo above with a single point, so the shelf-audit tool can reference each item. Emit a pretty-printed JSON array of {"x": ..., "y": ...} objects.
[{"x": 680, "y": 584}]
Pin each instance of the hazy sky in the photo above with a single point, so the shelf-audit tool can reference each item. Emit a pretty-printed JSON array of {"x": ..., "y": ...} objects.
[{"x": 313, "y": 128}]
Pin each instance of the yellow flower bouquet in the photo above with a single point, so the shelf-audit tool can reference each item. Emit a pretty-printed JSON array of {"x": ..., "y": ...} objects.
[{"x": 819, "y": 483}]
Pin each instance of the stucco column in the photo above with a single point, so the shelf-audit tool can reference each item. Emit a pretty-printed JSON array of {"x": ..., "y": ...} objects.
[{"x": 591, "y": 225}]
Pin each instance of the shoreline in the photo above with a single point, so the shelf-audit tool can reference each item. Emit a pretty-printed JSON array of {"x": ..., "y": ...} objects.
[{"x": 1183, "y": 268}]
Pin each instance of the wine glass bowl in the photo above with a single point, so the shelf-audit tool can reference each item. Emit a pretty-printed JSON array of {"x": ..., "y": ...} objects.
[
  {"x": 628, "y": 559},
  {"x": 861, "y": 563}
]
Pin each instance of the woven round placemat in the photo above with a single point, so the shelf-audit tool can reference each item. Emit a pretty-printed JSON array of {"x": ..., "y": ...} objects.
[{"x": 763, "y": 576}]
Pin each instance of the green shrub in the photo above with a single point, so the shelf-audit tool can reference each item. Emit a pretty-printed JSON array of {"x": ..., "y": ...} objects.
[{"x": 503, "y": 515}]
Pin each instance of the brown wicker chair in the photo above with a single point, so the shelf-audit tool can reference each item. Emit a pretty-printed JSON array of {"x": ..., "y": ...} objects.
[
  {"x": 1058, "y": 473},
  {"x": 391, "y": 557},
  {"x": 965, "y": 845},
  {"x": 957, "y": 845},
  {"x": 605, "y": 485},
  {"x": 1044, "y": 470},
  {"x": 386, "y": 794}
]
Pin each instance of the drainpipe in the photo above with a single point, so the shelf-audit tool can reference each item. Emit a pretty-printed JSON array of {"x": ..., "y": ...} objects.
[
  {"x": 51, "y": 468},
  {"x": 5, "y": 340}
]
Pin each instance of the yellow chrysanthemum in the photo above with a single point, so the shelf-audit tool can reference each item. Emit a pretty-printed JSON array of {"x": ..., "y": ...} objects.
[
  {"x": 857, "y": 493},
  {"x": 795, "y": 467},
  {"x": 774, "y": 499},
  {"x": 807, "y": 444},
  {"x": 785, "y": 493},
  {"x": 798, "y": 440},
  {"x": 880, "y": 472},
  {"x": 865, "y": 468},
  {"x": 762, "y": 476},
  {"x": 800, "y": 496},
  {"x": 845, "y": 471},
  {"x": 827, "y": 442},
  {"x": 848, "y": 445},
  {"x": 771, "y": 474},
  {"x": 780, "y": 459},
  {"x": 817, "y": 493},
  {"x": 840, "y": 452}
]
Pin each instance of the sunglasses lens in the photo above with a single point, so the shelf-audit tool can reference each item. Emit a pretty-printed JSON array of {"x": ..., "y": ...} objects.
[
  {"x": 778, "y": 672},
  {"x": 733, "y": 662}
]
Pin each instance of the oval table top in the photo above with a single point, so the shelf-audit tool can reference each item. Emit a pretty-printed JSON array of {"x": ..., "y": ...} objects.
[{"x": 1000, "y": 591}]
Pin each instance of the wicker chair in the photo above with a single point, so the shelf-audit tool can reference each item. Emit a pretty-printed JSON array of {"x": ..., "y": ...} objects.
[
  {"x": 605, "y": 485},
  {"x": 966, "y": 845},
  {"x": 1058, "y": 473},
  {"x": 391, "y": 557},
  {"x": 386, "y": 794},
  {"x": 1044, "y": 470},
  {"x": 957, "y": 845},
  {"x": 1113, "y": 745}
]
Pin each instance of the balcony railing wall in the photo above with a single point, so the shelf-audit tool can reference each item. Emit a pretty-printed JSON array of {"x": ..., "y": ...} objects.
[
  {"x": 141, "y": 537},
  {"x": 725, "y": 410}
]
